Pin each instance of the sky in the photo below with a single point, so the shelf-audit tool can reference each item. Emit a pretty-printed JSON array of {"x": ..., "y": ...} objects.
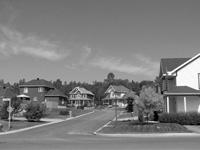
[{"x": 84, "y": 40}]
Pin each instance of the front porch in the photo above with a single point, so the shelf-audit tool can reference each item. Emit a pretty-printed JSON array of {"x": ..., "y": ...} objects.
[
  {"x": 81, "y": 102},
  {"x": 122, "y": 103},
  {"x": 182, "y": 99}
]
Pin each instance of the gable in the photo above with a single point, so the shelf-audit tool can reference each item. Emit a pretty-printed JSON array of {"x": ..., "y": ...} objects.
[
  {"x": 110, "y": 89},
  {"x": 189, "y": 74},
  {"x": 75, "y": 90},
  {"x": 169, "y": 64},
  {"x": 185, "y": 63}
]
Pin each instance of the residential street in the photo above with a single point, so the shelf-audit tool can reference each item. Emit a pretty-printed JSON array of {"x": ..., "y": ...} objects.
[{"x": 78, "y": 134}]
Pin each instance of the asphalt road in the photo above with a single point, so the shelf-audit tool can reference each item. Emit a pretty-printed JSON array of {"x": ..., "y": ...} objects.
[{"x": 78, "y": 134}]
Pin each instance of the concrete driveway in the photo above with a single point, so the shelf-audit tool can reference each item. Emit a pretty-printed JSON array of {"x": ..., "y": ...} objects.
[{"x": 77, "y": 134}]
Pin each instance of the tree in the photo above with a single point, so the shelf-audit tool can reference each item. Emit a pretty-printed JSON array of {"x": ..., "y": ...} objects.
[
  {"x": 58, "y": 84},
  {"x": 110, "y": 78},
  {"x": 149, "y": 101},
  {"x": 15, "y": 104}
]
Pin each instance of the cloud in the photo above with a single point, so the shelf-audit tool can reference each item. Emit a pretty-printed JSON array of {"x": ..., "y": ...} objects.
[
  {"x": 85, "y": 53},
  {"x": 13, "y": 42},
  {"x": 141, "y": 66}
]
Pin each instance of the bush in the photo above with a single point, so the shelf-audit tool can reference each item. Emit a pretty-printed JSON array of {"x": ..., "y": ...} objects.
[
  {"x": 129, "y": 108},
  {"x": 34, "y": 111},
  {"x": 80, "y": 107},
  {"x": 64, "y": 112},
  {"x": 3, "y": 111},
  {"x": 192, "y": 118}
]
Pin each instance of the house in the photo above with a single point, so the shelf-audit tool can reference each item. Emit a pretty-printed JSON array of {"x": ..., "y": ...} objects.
[
  {"x": 115, "y": 95},
  {"x": 43, "y": 91},
  {"x": 55, "y": 99},
  {"x": 180, "y": 79},
  {"x": 79, "y": 96}
]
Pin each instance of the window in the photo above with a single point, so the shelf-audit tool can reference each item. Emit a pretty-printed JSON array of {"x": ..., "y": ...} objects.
[
  {"x": 25, "y": 90},
  {"x": 40, "y": 89}
]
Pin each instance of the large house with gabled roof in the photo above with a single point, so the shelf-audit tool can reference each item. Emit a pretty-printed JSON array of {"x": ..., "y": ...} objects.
[
  {"x": 43, "y": 91},
  {"x": 80, "y": 96},
  {"x": 181, "y": 84},
  {"x": 115, "y": 95}
]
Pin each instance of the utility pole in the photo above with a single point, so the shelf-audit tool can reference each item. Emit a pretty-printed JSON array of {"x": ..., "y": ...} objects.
[{"x": 115, "y": 109}]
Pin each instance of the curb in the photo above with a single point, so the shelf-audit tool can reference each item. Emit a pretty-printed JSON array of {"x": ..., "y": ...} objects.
[
  {"x": 42, "y": 125},
  {"x": 142, "y": 135},
  {"x": 99, "y": 129}
]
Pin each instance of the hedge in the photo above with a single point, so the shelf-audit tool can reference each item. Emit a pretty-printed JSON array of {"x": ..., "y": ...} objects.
[
  {"x": 191, "y": 118},
  {"x": 64, "y": 112}
]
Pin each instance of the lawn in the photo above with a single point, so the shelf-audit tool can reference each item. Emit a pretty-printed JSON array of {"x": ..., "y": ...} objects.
[
  {"x": 75, "y": 112},
  {"x": 135, "y": 127},
  {"x": 19, "y": 124}
]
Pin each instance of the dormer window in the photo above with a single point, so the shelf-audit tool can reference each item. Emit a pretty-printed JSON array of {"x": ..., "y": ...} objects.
[
  {"x": 40, "y": 89},
  {"x": 25, "y": 90}
]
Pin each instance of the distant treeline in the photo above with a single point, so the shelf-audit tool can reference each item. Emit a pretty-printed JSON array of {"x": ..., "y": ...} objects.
[{"x": 97, "y": 87}]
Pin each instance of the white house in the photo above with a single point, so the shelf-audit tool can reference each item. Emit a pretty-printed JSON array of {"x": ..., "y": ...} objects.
[
  {"x": 115, "y": 95},
  {"x": 79, "y": 96},
  {"x": 181, "y": 84}
]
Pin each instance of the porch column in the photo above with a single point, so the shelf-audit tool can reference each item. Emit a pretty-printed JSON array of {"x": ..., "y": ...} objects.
[
  {"x": 167, "y": 104},
  {"x": 185, "y": 104}
]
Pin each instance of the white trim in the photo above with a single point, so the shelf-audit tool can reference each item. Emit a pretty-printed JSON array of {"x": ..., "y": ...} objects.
[
  {"x": 185, "y": 63},
  {"x": 167, "y": 104},
  {"x": 185, "y": 104},
  {"x": 181, "y": 94}
]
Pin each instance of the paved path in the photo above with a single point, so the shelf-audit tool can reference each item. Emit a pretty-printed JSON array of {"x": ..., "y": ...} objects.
[{"x": 77, "y": 134}]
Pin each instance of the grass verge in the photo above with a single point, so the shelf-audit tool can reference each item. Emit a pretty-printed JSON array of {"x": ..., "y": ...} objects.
[
  {"x": 19, "y": 124},
  {"x": 124, "y": 127}
]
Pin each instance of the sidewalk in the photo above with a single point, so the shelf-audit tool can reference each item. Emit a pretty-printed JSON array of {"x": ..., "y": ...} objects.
[{"x": 193, "y": 128}]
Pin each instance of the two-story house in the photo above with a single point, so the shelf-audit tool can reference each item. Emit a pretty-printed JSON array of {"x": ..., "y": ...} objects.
[
  {"x": 115, "y": 95},
  {"x": 43, "y": 91},
  {"x": 181, "y": 84},
  {"x": 79, "y": 96}
]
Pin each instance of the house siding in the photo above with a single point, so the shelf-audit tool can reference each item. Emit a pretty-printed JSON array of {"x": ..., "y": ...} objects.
[
  {"x": 34, "y": 94},
  {"x": 188, "y": 75}
]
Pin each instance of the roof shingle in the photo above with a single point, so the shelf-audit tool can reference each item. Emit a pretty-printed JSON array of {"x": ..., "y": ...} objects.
[
  {"x": 55, "y": 92},
  {"x": 37, "y": 82},
  {"x": 169, "y": 64},
  {"x": 182, "y": 90}
]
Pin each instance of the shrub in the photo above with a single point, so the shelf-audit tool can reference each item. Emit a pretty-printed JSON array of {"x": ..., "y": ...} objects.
[
  {"x": 34, "y": 111},
  {"x": 191, "y": 118},
  {"x": 80, "y": 107},
  {"x": 129, "y": 107},
  {"x": 64, "y": 112},
  {"x": 3, "y": 111}
]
